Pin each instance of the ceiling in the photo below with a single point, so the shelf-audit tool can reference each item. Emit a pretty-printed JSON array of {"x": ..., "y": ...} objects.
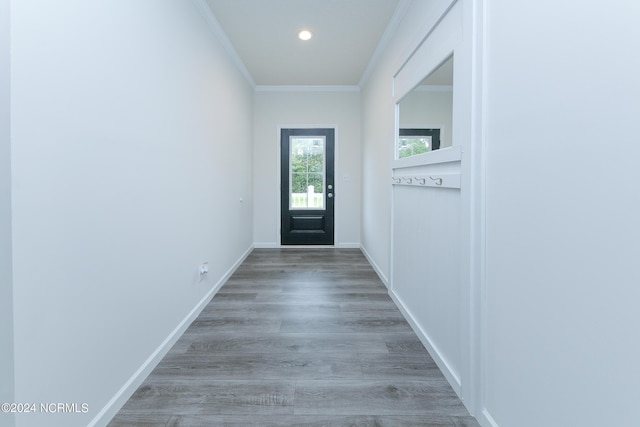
[{"x": 264, "y": 34}]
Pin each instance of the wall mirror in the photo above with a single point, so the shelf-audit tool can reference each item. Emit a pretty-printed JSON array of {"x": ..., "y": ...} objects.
[{"x": 425, "y": 114}]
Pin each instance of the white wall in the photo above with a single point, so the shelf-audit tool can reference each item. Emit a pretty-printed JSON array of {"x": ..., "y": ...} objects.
[
  {"x": 6, "y": 282},
  {"x": 426, "y": 279},
  {"x": 563, "y": 213},
  {"x": 131, "y": 150},
  {"x": 378, "y": 121},
  {"x": 431, "y": 233},
  {"x": 420, "y": 238},
  {"x": 283, "y": 108}
]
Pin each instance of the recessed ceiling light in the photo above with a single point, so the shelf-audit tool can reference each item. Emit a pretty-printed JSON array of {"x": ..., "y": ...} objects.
[{"x": 305, "y": 35}]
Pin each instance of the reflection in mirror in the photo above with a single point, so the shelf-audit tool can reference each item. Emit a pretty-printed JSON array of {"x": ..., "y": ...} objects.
[{"x": 425, "y": 114}]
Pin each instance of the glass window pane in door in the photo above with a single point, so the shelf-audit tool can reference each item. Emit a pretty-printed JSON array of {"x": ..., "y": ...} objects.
[{"x": 307, "y": 172}]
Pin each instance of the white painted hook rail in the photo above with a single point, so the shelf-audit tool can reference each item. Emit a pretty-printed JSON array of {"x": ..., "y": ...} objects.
[{"x": 434, "y": 180}]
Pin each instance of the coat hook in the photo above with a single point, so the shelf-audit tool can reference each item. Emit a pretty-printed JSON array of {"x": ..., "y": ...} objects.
[
  {"x": 408, "y": 180},
  {"x": 437, "y": 181},
  {"x": 421, "y": 181}
]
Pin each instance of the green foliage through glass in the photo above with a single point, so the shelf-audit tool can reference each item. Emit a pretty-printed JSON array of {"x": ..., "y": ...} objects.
[
  {"x": 410, "y": 146},
  {"x": 307, "y": 172}
]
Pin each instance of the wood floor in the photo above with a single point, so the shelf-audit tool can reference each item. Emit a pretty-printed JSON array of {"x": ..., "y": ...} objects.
[{"x": 297, "y": 338}]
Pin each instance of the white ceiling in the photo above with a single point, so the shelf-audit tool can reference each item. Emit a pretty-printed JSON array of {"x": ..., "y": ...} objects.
[{"x": 264, "y": 34}]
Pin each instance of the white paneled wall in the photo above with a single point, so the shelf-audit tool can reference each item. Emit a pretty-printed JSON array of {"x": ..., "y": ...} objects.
[
  {"x": 426, "y": 269},
  {"x": 378, "y": 122},
  {"x": 429, "y": 255}
]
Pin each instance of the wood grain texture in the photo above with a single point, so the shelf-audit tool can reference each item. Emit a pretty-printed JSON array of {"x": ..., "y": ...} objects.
[
  {"x": 298, "y": 337},
  {"x": 315, "y": 421}
]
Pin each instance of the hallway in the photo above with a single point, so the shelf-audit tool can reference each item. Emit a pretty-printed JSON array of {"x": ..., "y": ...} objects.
[{"x": 298, "y": 337}]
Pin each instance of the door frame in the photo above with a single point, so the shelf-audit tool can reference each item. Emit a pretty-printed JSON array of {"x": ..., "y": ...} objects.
[{"x": 336, "y": 196}]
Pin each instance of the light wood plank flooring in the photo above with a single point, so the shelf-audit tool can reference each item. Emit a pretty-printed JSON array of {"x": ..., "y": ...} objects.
[{"x": 297, "y": 337}]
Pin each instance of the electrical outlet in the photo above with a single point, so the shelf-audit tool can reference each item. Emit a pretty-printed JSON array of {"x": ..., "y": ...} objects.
[{"x": 204, "y": 269}]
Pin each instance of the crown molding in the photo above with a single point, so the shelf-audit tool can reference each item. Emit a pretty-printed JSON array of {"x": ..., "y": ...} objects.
[
  {"x": 392, "y": 27},
  {"x": 215, "y": 26},
  {"x": 301, "y": 88}
]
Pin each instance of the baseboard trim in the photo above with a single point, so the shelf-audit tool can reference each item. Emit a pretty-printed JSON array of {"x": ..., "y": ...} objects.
[
  {"x": 486, "y": 419},
  {"x": 266, "y": 245},
  {"x": 126, "y": 391},
  {"x": 445, "y": 368},
  {"x": 375, "y": 266},
  {"x": 348, "y": 245}
]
